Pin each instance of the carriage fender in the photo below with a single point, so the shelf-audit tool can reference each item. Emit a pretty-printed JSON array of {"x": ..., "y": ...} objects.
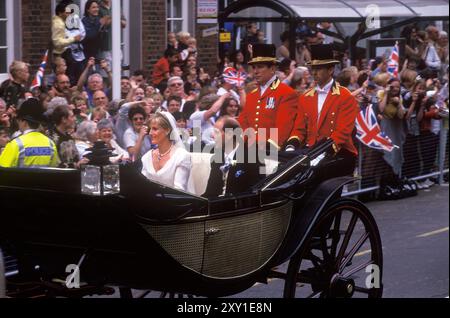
[{"x": 306, "y": 215}]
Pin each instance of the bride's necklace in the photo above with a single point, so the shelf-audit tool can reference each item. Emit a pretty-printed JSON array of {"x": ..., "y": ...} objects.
[{"x": 160, "y": 156}]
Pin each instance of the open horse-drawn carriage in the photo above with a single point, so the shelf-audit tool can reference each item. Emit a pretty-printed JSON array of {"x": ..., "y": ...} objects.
[{"x": 151, "y": 237}]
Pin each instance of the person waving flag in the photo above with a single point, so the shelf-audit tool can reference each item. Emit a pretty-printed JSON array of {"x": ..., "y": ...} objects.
[
  {"x": 394, "y": 61},
  {"x": 39, "y": 78},
  {"x": 369, "y": 132}
]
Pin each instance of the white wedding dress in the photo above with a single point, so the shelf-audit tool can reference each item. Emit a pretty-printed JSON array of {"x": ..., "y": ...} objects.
[{"x": 175, "y": 173}]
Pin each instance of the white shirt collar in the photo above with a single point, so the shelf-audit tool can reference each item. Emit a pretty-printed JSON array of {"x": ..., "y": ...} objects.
[
  {"x": 267, "y": 85},
  {"x": 326, "y": 88}
]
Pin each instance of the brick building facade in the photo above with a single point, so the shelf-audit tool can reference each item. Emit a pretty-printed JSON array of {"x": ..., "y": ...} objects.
[{"x": 28, "y": 29}]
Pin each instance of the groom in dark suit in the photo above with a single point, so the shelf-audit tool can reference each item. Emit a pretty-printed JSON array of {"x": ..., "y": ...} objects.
[{"x": 232, "y": 169}]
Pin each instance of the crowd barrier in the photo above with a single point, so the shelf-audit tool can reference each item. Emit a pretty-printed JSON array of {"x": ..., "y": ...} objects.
[{"x": 424, "y": 156}]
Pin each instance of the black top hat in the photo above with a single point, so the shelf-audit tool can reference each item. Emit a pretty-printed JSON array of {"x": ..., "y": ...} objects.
[
  {"x": 264, "y": 53},
  {"x": 321, "y": 55},
  {"x": 31, "y": 110}
]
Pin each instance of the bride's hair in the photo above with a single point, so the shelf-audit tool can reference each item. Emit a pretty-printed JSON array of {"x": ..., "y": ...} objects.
[{"x": 162, "y": 121}]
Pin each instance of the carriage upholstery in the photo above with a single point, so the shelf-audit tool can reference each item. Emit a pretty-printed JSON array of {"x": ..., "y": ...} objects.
[{"x": 201, "y": 170}]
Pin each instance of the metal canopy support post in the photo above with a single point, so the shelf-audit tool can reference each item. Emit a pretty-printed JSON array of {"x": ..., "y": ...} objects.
[
  {"x": 221, "y": 28},
  {"x": 293, "y": 38},
  {"x": 353, "y": 42},
  {"x": 116, "y": 50}
]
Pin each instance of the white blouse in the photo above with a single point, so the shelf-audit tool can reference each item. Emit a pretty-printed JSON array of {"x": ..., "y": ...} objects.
[{"x": 176, "y": 172}]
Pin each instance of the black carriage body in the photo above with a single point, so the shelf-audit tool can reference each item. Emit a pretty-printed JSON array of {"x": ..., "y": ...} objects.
[
  {"x": 148, "y": 237},
  {"x": 153, "y": 237}
]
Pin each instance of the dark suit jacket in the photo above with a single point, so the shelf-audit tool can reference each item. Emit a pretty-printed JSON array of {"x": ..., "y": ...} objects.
[{"x": 241, "y": 176}]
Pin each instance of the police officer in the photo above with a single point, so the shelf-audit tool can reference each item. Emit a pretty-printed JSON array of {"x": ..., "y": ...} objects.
[{"x": 31, "y": 149}]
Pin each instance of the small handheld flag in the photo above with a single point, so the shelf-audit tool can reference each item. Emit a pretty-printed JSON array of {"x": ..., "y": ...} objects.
[
  {"x": 232, "y": 76},
  {"x": 369, "y": 132},
  {"x": 394, "y": 61},
  {"x": 39, "y": 78}
]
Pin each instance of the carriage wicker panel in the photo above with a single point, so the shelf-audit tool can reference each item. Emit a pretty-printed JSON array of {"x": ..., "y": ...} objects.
[
  {"x": 184, "y": 242},
  {"x": 240, "y": 245}
]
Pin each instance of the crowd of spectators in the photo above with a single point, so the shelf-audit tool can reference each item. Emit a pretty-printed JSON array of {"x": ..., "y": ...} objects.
[{"x": 77, "y": 92}]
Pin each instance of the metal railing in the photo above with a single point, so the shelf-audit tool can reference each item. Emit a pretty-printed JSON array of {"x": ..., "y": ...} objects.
[{"x": 425, "y": 156}]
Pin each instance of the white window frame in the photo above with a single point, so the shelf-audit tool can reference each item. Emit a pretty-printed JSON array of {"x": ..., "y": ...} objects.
[
  {"x": 126, "y": 33},
  {"x": 184, "y": 15},
  {"x": 9, "y": 36}
]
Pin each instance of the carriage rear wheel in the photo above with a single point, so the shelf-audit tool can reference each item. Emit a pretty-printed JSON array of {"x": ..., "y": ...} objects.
[{"x": 342, "y": 257}]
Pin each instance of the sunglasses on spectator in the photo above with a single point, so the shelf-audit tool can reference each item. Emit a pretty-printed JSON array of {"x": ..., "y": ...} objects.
[
  {"x": 138, "y": 119},
  {"x": 176, "y": 84}
]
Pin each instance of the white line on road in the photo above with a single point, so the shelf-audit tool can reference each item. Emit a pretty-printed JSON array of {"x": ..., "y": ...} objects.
[{"x": 433, "y": 233}]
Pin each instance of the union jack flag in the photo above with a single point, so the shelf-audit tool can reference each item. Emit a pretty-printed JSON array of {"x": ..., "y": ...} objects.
[
  {"x": 369, "y": 132},
  {"x": 232, "y": 76},
  {"x": 394, "y": 61},
  {"x": 39, "y": 78}
]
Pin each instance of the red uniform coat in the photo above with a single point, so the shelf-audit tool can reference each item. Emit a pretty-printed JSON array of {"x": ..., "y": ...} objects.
[
  {"x": 277, "y": 108},
  {"x": 337, "y": 119}
]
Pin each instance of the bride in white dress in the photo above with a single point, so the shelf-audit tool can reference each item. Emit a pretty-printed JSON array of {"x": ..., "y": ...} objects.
[{"x": 169, "y": 164}]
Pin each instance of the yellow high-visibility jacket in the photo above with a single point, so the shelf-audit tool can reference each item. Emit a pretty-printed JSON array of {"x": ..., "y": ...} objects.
[{"x": 32, "y": 150}]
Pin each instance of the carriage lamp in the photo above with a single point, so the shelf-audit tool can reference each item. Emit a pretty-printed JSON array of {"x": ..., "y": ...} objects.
[{"x": 100, "y": 177}]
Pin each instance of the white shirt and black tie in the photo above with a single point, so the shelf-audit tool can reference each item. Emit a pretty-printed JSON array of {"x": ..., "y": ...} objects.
[{"x": 322, "y": 96}]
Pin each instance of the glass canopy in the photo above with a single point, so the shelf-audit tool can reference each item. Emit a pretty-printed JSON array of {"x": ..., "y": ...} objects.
[{"x": 345, "y": 9}]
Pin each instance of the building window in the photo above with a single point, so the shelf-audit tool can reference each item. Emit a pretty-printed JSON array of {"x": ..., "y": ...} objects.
[
  {"x": 3, "y": 39},
  {"x": 6, "y": 36},
  {"x": 125, "y": 32},
  {"x": 177, "y": 12}
]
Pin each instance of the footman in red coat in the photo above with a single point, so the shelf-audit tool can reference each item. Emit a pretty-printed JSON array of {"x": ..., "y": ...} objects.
[
  {"x": 272, "y": 107},
  {"x": 326, "y": 111}
]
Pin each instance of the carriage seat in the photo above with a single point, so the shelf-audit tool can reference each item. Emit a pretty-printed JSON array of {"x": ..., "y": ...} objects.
[{"x": 201, "y": 170}]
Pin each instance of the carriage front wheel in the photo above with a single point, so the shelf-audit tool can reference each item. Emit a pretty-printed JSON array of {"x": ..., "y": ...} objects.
[{"x": 342, "y": 257}]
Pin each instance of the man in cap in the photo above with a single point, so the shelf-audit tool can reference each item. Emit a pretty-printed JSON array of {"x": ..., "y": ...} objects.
[
  {"x": 31, "y": 149},
  {"x": 326, "y": 111},
  {"x": 271, "y": 105}
]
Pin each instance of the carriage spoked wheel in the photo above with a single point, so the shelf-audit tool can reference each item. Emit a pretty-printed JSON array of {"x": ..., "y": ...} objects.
[{"x": 341, "y": 258}]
